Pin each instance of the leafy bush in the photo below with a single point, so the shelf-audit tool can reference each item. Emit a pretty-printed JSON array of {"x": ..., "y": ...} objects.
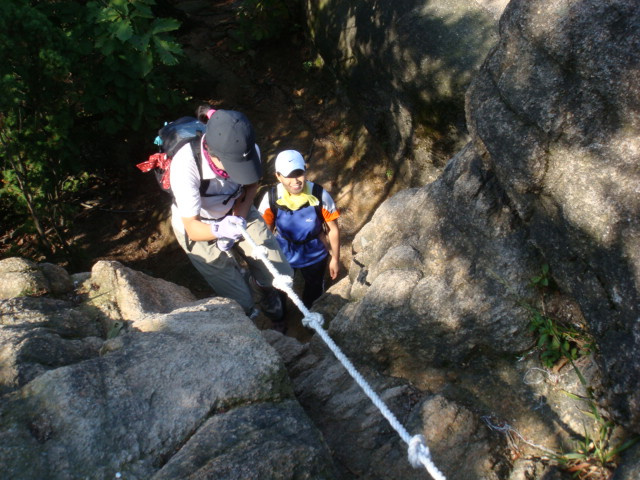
[
  {"x": 260, "y": 20},
  {"x": 75, "y": 77}
]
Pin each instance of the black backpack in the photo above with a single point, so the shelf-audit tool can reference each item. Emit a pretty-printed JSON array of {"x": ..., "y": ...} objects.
[
  {"x": 316, "y": 191},
  {"x": 171, "y": 138}
]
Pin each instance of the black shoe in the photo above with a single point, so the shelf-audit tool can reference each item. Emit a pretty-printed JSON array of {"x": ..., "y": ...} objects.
[{"x": 272, "y": 305}]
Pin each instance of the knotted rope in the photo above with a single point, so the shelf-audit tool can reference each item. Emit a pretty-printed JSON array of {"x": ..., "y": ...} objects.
[{"x": 418, "y": 451}]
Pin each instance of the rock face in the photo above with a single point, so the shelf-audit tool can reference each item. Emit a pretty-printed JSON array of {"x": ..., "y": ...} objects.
[
  {"x": 195, "y": 392},
  {"x": 440, "y": 291},
  {"x": 555, "y": 116},
  {"x": 551, "y": 175},
  {"x": 19, "y": 277},
  {"x": 405, "y": 66},
  {"x": 434, "y": 286},
  {"x": 439, "y": 302}
]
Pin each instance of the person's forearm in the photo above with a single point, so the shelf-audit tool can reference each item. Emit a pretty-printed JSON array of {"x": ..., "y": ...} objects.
[
  {"x": 197, "y": 230},
  {"x": 243, "y": 204},
  {"x": 334, "y": 241},
  {"x": 334, "y": 250}
]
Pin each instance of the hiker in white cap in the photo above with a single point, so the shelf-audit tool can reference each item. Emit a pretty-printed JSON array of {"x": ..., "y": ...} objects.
[
  {"x": 303, "y": 217},
  {"x": 205, "y": 218}
]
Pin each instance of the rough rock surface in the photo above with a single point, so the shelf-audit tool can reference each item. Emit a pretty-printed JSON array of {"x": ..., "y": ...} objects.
[
  {"x": 551, "y": 176},
  {"x": 441, "y": 293},
  {"x": 555, "y": 116},
  {"x": 19, "y": 276},
  {"x": 405, "y": 67},
  {"x": 192, "y": 393},
  {"x": 364, "y": 444},
  {"x": 133, "y": 293}
]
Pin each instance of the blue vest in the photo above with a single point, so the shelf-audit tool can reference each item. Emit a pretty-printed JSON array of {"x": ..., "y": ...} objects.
[{"x": 297, "y": 234}]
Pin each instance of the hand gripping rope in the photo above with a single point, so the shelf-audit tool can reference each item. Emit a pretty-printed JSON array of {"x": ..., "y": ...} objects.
[{"x": 418, "y": 451}]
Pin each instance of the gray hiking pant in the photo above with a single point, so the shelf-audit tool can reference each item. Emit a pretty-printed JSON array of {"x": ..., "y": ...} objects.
[{"x": 223, "y": 273}]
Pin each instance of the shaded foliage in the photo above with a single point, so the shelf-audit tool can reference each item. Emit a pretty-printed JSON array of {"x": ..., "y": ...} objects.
[
  {"x": 75, "y": 77},
  {"x": 260, "y": 20}
]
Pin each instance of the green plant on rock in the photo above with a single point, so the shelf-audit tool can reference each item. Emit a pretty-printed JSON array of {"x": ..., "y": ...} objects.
[
  {"x": 542, "y": 279},
  {"x": 595, "y": 455},
  {"x": 557, "y": 341}
]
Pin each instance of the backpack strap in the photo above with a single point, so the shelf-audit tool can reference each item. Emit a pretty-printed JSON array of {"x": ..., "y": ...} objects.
[
  {"x": 317, "y": 192},
  {"x": 195, "y": 149},
  {"x": 272, "y": 202}
]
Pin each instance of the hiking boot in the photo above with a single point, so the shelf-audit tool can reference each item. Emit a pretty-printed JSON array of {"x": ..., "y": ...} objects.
[
  {"x": 272, "y": 305},
  {"x": 270, "y": 300},
  {"x": 253, "y": 314}
]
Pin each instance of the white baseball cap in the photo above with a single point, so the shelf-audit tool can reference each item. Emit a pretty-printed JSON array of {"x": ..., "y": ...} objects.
[{"x": 288, "y": 161}]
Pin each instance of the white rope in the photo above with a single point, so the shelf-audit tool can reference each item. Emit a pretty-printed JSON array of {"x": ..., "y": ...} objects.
[{"x": 418, "y": 451}]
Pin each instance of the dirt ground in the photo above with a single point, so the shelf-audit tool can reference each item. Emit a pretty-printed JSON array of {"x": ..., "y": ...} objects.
[{"x": 291, "y": 106}]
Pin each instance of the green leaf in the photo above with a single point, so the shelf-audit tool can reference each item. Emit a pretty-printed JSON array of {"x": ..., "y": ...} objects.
[
  {"x": 108, "y": 15},
  {"x": 543, "y": 340},
  {"x": 124, "y": 31},
  {"x": 166, "y": 51},
  {"x": 573, "y": 456},
  {"x": 108, "y": 47},
  {"x": 140, "y": 42},
  {"x": 583, "y": 380},
  {"x": 146, "y": 64},
  {"x": 143, "y": 11},
  {"x": 162, "y": 25},
  {"x": 572, "y": 395},
  {"x": 625, "y": 445},
  {"x": 121, "y": 5}
]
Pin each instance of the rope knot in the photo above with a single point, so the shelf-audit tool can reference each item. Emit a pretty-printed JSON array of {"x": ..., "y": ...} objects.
[
  {"x": 420, "y": 456},
  {"x": 313, "y": 317},
  {"x": 418, "y": 448}
]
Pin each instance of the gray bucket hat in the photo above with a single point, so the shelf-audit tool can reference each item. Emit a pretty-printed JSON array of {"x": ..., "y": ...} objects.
[{"x": 231, "y": 138}]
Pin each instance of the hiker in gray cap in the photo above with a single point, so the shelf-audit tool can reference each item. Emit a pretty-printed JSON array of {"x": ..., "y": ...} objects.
[{"x": 213, "y": 194}]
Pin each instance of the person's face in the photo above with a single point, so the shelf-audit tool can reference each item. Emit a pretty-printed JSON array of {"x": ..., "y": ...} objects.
[
  {"x": 216, "y": 161},
  {"x": 294, "y": 182}
]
